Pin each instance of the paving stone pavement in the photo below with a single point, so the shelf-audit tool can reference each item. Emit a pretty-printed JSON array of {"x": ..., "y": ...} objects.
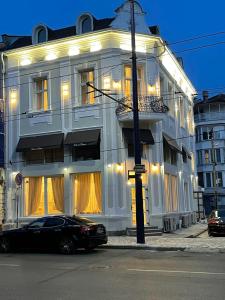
[{"x": 192, "y": 239}]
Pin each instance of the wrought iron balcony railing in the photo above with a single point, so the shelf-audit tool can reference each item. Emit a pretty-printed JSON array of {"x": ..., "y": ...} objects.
[{"x": 151, "y": 104}]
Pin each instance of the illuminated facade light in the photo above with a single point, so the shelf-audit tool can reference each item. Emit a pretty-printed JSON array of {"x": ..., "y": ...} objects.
[
  {"x": 25, "y": 62},
  {"x": 50, "y": 56},
  {"x": 109, "y": 166},
  {"x": 119, "y": 167},
  {"x": 74, "y": 51},
  {"x": 151, "y": 90},
  {"x": 95, "y": 46},
  {"x": 141, "y": 49},
  {"x": 155, "y": 168},
  {"x": 65, "y": 90},
  {"x": 107, "y": 83},
  {"x": 117, "y": 85},
  {"x": 13, "y": 96},
  {"x": 125, "y": 46},
  {"x": 128, "y": 182}
]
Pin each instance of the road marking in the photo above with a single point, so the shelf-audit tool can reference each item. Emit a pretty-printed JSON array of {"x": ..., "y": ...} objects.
[
  {"x": 170, "y": 271},
  {"x": 9, "y": 265}
]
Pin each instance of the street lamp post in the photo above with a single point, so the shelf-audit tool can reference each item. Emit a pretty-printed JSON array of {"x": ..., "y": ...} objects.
[{"x": 138, "y": 181}]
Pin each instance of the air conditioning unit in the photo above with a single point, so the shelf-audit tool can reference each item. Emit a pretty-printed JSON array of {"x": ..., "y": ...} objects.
[
  {"x": 185, "y": 221},
  {"x": 170, "y": 224}
]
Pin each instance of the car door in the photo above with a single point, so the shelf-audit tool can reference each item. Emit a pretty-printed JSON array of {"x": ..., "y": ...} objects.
[
  {"x": 52, "y": 232},
  {"x": 34, "y": 238}
]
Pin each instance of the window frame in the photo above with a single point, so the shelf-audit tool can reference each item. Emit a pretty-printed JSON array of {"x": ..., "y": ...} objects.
[
  {"x": 140, "y": 80},
  {"x": 31, "y": 92},
  {"x": 45, "y": 197}
]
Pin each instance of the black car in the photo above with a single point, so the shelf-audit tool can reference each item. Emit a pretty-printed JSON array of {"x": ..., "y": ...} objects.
[
  {"x": 216, "y": 222},
  {"x": 62, "y": 233}
]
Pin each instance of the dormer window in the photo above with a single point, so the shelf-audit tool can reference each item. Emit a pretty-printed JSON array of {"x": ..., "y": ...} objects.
[
  {"x": 41, "y": 36},
  {"x": 86, "y": 25}
]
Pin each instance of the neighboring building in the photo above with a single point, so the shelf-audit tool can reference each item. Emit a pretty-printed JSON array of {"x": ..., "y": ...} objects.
[
  {"x": 1, "y": 141},
  {"x": 210, "y": 133},
  {"x": 73, "y": 146}
]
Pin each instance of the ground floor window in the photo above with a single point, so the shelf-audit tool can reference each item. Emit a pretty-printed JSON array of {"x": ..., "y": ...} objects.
[
  {"x": 43, "y": 195},
  {"x": 171, "y": 193},
  {"x": 88, "y": 193}
]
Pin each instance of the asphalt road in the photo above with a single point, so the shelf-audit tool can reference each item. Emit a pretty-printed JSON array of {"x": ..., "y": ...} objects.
[{"x": 113, "y": 275}]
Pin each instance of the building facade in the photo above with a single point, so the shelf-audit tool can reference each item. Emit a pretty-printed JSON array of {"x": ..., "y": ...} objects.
[
  {"x": 2, "y": 183},
  {"x": 210, "y": 149},
  {"x": 74, "y": 146}
]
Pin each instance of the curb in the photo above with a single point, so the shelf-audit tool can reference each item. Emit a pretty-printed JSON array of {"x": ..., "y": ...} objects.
[
  {"x": 144, "y": 247},
  {"x": 164, "y": 249},
  {"x": 197, "y": 234}
]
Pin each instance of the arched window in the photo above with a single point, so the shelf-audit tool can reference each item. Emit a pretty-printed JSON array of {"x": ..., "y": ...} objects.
[
  {"x": 41, "y": 36},
  {"x": 86, "y": 25}
]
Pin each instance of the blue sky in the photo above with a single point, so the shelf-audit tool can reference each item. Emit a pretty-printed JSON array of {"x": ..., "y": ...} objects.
[{"x": 177, "y": 19}]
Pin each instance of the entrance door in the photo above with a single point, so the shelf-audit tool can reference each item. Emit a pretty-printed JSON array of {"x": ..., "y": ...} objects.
[{"x": 133, "y": 206}]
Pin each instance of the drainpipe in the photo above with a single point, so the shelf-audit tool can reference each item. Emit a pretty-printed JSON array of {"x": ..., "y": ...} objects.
[{"x": 4, "y": 126}]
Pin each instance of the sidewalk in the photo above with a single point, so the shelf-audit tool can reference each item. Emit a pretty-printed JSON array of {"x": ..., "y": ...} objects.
[{"x": 183, "y": 240}]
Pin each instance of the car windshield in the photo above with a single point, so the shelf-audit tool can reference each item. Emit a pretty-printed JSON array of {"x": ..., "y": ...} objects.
[
  {"x": 221, "y": 213},
  {"x": 81, "y": 220}
]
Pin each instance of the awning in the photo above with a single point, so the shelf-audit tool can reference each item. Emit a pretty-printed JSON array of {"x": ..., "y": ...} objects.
[
  {"x": 49, "y": 141},
  {"x": 186, "y": 151},
  {"x": 172, "y": 143},
  {"x": 146, "y": 136},
  {"x": 83, "y": 138}
]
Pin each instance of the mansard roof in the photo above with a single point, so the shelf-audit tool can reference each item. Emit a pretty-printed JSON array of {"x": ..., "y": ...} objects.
[{"x": 23, "y": 41}]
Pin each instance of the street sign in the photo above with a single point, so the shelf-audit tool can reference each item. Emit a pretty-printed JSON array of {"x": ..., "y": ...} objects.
[
  {"x": 139, "y": 169},
  {"x": 19, "y": 179}
]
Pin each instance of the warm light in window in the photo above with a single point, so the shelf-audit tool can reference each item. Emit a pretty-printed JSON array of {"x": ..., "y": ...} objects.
[
  {"x": 13, "y": 96},
  {"x": 74, "y": 51},
  {"x": 152, "y": 89},
  {"x": 50, "y": 56},
  {"x": 107, "y": 83},
  {"x": 25, "y": 62},
  {"x": 95, "y": 46},
  {"x": 116, "y": 85}
]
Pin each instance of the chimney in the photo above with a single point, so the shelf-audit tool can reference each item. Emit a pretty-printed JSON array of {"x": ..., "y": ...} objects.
[{"x": 205, "y": 96}]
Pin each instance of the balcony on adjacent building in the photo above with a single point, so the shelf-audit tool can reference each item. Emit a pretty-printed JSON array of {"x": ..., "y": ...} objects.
[
  {"x": 209, "y": 116},
  {"x": 151, "y": 108}
]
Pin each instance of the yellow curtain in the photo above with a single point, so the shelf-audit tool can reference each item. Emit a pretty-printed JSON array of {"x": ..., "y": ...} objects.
[
  {"x": 58, "y": 192},
  {"x": 174, "y": 193},
  {"x": 88, "y": 195},
  {"x": 35, "y": 195},
  {"x": 98, "y": 191},
  {"x": 167, "y": 192},
  {"x": 82, "y": 190}
]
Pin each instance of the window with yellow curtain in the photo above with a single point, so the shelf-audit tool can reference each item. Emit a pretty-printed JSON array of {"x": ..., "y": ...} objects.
[
  {"x": 43, "y": 196},
  {"x": 55, "y": 195},
  {"x": 34, "y": 196},
  {"x": 174, "y": 193},
  {"x": 88, "y": 193},
  {"x": 40, "y": 94},
  {"x": 167, "y": 193},
  {"x": 87, "y": 93},
  {"x": 128, "y": 80},
  {"x": 171, "y": 193}
]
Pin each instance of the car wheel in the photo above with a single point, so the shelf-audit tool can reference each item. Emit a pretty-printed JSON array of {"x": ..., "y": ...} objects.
[
  {"x": 4, "y": 246},
  {"x": 67, "y": 246}
]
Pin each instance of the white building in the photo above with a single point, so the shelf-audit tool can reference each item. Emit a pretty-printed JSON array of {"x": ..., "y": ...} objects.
[
  {"x": 210, "y": 149},
  {"x": 73, "y": 146}
]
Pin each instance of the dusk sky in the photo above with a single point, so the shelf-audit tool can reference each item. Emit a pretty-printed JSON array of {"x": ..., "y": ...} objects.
[{"x": 178, "y": 20}]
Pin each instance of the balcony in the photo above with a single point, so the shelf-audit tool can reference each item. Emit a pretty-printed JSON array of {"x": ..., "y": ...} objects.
[
  {"x": 206, "y": 117},
  {"x": 151, "y": 108}
]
